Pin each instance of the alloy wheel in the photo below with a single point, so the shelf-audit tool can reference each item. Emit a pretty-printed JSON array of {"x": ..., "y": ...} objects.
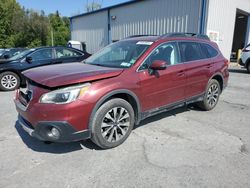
[
  {"x": 213, "y": 95},
  {"x": 115, "y": 124},
  {"x": 9, "y": 81}
]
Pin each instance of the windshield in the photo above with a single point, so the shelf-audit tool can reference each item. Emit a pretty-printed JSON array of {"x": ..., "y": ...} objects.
[
  {"x": 2, "y": 51},
  {"x": 21, "y": 54},
  {"x": 121, "y": 54}
]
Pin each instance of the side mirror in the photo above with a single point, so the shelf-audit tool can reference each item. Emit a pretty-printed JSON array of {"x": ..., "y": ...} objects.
[
  {"x": 158, "y": 65},
  {"x": 29, "y": 59},
  {"x": 6, "y": 56}
]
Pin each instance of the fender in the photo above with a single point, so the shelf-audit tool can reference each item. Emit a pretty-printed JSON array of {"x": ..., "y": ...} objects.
[
  {"x": 112, "y": 93},
  {"x": 220, "y": 75}
]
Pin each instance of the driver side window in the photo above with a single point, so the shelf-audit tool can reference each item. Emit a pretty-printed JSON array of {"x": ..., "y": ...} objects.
[
  {"x": 42, "y": 54},
  {"x": 167, "y": 52}
]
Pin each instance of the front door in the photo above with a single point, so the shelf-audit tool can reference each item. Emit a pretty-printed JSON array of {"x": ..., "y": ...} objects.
[
  {"x": 41, "y": 57},
  {"x": 164, "y": 87}
]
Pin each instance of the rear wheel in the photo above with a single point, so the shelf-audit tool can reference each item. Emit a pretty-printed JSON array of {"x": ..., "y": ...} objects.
[
  {"x": 212, "y": 95},
  {"x": 112, "y": 123},
  {"x": 9, "y": 81},
  {"x": 248, "y": 67}
]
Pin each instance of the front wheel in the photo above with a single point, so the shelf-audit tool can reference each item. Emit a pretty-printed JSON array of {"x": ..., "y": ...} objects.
[
  {"x": 212, "y": 95},
  {"x": 112, "y": 123},
  {"x": 9, "y": 81}
]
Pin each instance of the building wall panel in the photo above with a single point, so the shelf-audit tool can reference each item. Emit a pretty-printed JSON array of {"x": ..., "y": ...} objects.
[
  {"x": 221, "y": 18},
  {"x": 91, "y": 29},
  {"x": 155, "y": 17}
]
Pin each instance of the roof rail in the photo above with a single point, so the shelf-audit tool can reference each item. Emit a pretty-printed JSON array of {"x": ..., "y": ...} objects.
[
  {"x": 201, "y": 36},
  {"x": 134, "y": 36}
]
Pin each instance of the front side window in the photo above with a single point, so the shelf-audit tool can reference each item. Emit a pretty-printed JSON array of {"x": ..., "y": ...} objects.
[
  {"x": 190, "y": 51},
  {"x": 65, "y": 53},
  {"x": 167, "y": 52},
  {"x": 122, "y": 54},
  {"x": 42, "y": 54}
]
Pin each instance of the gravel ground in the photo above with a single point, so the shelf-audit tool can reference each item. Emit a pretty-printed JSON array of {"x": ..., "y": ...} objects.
[{"x": 182, "y": 148}]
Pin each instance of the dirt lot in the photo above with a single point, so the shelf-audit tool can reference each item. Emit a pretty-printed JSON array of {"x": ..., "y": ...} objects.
[{"x": 183, "y": 148}]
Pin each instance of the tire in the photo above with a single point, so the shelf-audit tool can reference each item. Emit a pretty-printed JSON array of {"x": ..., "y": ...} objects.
[
  {"x": 9, "y": 81},
  {"x": 108, "y": 130},
  {"x": 248, "y": 67},
  {"x": 212, "y": 96}
]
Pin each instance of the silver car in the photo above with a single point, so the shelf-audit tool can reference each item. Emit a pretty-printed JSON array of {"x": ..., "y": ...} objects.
[{"x": 245, "y": 58}]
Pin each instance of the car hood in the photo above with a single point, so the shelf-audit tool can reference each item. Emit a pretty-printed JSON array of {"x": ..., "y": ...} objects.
[{"x": 68, "y": 74}]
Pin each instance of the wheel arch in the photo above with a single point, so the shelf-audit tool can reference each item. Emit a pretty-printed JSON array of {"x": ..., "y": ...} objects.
[
  {"x": 14, "y": 71},
  {"x": 125, "y": 94},
  {"x": 219, "y": 78}
]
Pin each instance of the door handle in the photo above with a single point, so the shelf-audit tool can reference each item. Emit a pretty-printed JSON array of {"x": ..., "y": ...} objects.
[
  {"x": 181, "y": 73},
  {"x": 209, "y": 66}
]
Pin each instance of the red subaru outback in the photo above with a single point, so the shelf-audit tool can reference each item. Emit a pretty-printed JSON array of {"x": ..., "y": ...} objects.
[{"x": 103, "y": 97}]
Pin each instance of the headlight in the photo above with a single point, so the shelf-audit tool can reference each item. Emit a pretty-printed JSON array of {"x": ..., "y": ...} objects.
[{"x": 65, "y": 95}]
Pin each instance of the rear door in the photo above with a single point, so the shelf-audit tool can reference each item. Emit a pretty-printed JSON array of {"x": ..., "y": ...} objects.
[
  {"x": 199, "y": 68},
  {"x": 67, "y": 55},
  {"x": 164, "y": 87}
]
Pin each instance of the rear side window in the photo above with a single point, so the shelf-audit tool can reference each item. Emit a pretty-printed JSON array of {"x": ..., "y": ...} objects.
[
  {"x": 65, "y": 53},
  {"x": 191, "y": 51},
  {"x": 208, "y": 50}
]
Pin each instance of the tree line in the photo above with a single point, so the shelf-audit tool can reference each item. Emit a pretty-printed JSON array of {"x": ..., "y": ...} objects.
[{"x": 21, "y": 27}]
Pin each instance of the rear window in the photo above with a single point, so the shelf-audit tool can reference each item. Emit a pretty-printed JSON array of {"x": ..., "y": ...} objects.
[
  {"x": 208, "y": 50},
  {"x": 191, "y": 51}
]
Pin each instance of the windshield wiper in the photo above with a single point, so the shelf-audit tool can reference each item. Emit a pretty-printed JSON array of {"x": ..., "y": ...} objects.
[{"x": 96, "y": 64}]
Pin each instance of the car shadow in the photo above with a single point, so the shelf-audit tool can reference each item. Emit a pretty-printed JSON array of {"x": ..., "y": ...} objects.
[
  {"x": 54, "y": 148},
  {"x": 62, "y": 148},
  {"x": 167, "y": 114},
  {"x": 242, "y": 71}
]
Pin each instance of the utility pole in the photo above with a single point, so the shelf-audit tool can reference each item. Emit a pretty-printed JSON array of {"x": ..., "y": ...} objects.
[
  {"x": 51, "y": 34},
  {"x": 52, "y": 37}
]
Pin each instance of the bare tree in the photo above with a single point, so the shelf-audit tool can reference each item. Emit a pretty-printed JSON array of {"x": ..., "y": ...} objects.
[{"x": 92, "y": 6}]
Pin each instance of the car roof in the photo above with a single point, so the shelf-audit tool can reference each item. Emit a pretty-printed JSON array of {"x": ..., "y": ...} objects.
[
  {"x": 170, "y": 36},
  {"x": 44, "y": 47},
  {"x": 150, "y": 38}
]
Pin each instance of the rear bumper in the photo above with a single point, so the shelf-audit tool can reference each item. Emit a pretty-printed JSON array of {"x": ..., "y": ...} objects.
[{"x": 42, "y": 131}]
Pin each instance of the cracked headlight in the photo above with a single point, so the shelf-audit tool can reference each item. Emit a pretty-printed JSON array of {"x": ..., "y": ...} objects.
[{"x": 65, "y": 95}]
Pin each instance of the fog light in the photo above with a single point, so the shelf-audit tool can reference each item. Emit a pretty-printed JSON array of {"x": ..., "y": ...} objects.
[{"x": 54, "y": 133}]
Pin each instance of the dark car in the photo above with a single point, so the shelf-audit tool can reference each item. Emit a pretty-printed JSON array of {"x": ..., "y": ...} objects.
[
  {"x": 10, "y": 52},
  {"x": 10, "y": 70},
  {"x": 2, "y": 51},
  {"x": 119, "y": 86}
]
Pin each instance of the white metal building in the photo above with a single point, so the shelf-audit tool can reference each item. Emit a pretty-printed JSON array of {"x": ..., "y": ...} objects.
[{"x": 226, "y": 21}]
